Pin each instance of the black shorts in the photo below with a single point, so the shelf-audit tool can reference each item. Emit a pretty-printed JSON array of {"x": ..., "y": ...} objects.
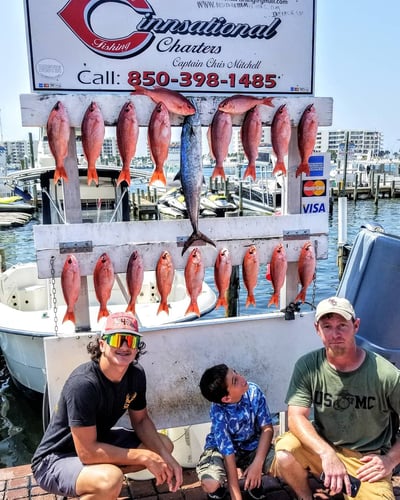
[{"x": 58, "y": 473}]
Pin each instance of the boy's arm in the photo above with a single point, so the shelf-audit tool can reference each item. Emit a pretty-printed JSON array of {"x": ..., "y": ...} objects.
[
  {"x": 232, "y": 477},
  {"x": 253, "y": 473}
]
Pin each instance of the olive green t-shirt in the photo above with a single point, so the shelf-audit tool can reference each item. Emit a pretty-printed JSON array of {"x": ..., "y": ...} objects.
[{"x": 351, "y": 409}]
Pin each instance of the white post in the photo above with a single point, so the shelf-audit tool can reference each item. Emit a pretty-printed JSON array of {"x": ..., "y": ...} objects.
[{"x": 342, "y": 220}]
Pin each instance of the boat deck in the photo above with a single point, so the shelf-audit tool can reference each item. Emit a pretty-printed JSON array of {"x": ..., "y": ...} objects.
[{"x": 18, "y": 483}]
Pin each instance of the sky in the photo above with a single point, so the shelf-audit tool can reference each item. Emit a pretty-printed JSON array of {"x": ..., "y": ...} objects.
[{"x": 356, "y": 63}]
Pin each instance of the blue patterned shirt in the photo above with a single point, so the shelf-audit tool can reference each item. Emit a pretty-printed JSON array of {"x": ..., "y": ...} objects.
[{"x": 237, "y": 426}]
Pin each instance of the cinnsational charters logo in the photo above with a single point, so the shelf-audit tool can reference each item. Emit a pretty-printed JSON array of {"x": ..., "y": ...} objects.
[{"x": 79, "y": 14}]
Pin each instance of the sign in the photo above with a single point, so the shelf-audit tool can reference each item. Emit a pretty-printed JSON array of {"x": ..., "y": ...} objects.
[
  {"x": 315, "y": 194},
  {"x": 195, "y": 47}
]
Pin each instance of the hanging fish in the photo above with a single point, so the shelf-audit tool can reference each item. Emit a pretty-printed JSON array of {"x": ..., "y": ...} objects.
[
  {"x": 251, "y": 133},
  {"x": 222, "y": 276},
  {"x": 103, "y": 280},
  {"x": 159, "y": 138},
  {"x": 306, "y": 269},
  {"x": 174, "y": 101},
  {"x": 70, "y": 285},
  {"x": 194, "y": 277},
  {"x": 277, "y": 270},
  {"x": 127, "y": 132},
  {"x": 281, "y": 132},
  {"x": 93, "y": 131},
  {"x": 219, "y": 137},
  {"x": 58, "y": 132},
  {"x": 250, "y": 268},
  {"x": 307, "y": 135},
  {"x": 191, "y": 176},
  {"x": 239, "y": 103},
  {"x": 134, "y": 279},
  {"x": 165, "y": 273}
]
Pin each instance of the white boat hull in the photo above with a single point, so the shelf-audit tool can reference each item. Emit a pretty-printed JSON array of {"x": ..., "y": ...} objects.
[{"x": 27, "y": 316}]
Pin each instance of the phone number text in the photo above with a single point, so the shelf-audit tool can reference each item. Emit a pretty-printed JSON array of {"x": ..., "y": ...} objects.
[{"x": 199, "y": 79}]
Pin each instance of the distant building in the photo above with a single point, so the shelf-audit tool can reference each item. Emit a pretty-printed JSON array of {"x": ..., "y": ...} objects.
[
  {"x": 18, "y": 151},
  {"x": 362, "y": 142}
]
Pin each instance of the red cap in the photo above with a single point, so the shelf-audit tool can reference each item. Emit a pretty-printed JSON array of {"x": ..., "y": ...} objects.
[{"x": 122, "y": 322}]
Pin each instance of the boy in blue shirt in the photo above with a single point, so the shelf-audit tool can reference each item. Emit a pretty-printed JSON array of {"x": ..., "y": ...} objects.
[{"x": 240, "y": 437}]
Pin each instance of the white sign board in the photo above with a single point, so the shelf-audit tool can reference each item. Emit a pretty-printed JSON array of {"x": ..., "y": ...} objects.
[{"x": 195, "y": 46}]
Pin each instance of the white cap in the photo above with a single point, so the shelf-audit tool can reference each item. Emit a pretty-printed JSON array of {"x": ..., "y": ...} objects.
[{"x": 338, "y": 305}]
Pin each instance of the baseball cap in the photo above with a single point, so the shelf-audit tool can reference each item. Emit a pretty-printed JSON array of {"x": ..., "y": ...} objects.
[
  {"x": 338, "y": 305},
  {"x": 121, "y": 322}
]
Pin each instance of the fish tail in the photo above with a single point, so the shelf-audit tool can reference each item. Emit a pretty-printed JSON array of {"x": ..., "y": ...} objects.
[
  {"x": 221, "y": 302},
  {"x": 163, "y": 307},
  {"x": 274, "y": 300},
  {"x": 195, "y": 236},
  {"x": 303, "y": 168},
  {"x": 301, "y": 296},
  {"x": 124, "y": 175},
  {"x": 69, "y": 316},
  {"x": 268, "y": 101},
  {"x": 193, "y": 308},
  {"x": 60, "y": 173},
  {"x": 103, "y": 313},
  {"x": 138, "y": 90},
  {"x": 250, "y": 300},
  {"x": 250, "y": 171},
  {"x": 158, "y": 175},
  {"x": 218, "y": 172},
  {"x": 92, "y": 176},
  {"x": 131, "y": 307},
  {"x": 279, "y": 167}
]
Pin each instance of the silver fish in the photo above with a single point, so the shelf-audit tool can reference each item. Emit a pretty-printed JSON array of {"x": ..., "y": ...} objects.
[{"x": 191, "y": 175}]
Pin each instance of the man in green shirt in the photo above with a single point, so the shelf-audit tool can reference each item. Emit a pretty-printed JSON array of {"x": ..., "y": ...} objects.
[{"x": 354, "y": 394}]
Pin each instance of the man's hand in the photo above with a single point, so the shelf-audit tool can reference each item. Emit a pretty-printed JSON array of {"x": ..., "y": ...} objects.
[{"x": 375, "y": 467}]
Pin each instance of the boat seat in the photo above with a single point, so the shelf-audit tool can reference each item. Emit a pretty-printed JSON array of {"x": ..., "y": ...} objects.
[
  {"x": 30, "y": 298},
  {"x": 371, "y": 281}
]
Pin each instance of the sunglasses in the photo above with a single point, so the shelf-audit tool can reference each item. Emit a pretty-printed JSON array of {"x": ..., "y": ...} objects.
[{"x": 117, "y": 339}]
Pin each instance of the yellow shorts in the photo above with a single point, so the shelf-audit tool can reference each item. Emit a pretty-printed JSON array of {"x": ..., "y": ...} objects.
[{"x": 351, "y": 459}]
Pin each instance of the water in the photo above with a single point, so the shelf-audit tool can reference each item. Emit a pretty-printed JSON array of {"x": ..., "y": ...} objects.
[{"x": 20, "y": 419}]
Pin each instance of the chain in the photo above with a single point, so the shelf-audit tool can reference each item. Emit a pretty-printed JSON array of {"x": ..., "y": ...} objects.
[
  {"x": 314, "y": 289},
  {"x": 53, "y": 293}
]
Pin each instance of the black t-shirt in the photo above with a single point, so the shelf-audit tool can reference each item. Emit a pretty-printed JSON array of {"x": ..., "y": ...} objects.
[{"x": 89, "y": 398}]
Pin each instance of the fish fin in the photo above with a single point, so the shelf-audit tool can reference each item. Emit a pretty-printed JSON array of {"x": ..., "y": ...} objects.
[
  {"x": 218, "y": 172},
  {"x": 250, "y": 171},
  {"x": 158, "y": 176},
  {"x": 69, "y": 316},
  {"x": 301, "y": 296},
  {"x": 103, "y": 313},
  {"x": 279, "y": 167},
  {"x": 163, "y": 307},
  {"x": 250, "y": 300},
  {"x": 195, "y": 236},
  {"x": 92, "y": 176},
  {"x": 178, "y": 176},
  {"x": 274, "y": 300},
  {"x": 124, "y": 175},
  {"x": 303, "y": 168},
  {"x": 60, "y": 173},
  {"x": 193, "y": 308},
  {"x": 268, "y": 102},
  {"x": 131, "y": 307}
]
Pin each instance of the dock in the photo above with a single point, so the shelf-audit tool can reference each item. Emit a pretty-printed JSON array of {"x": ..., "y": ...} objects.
[
  {"x": 18, "y": 483},
  {"x": 378, "y": 186}
]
